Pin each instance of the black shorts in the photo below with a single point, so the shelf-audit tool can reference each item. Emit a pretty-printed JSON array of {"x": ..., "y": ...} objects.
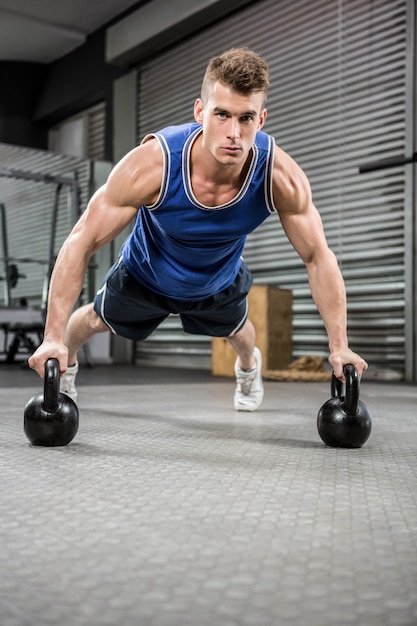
[{"x": 131, "y": 310}]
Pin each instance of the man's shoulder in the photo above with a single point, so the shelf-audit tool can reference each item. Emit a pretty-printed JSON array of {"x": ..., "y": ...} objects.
[
  {"x": 264, "y": 140},
  {"x": 179, "y": 132}
]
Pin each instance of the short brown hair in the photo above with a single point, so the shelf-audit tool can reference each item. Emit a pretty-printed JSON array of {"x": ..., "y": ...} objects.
[{"x": 240, "y": 69}]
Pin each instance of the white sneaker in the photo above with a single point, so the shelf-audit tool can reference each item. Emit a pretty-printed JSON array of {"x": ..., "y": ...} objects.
[
  {"x": 67, "y": 385},
  {"x": 249, "y": 387}
]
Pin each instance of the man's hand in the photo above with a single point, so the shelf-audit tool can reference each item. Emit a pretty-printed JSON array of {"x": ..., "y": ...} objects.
[
  {"x": 339, "y": 358},
  {"x": 49, "y": 350}
]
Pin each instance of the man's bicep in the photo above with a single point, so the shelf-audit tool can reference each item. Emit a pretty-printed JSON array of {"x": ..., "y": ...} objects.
[{"x": 102, "y": 221}]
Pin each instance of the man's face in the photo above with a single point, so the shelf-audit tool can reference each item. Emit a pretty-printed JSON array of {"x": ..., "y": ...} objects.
[{"x": 230, "y": 121}]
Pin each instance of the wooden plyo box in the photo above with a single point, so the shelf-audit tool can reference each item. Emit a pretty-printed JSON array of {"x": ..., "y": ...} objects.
[{"x": 270, "y": 311}]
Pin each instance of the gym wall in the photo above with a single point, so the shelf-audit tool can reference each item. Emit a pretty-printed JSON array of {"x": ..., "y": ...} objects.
[{"x": 343, "y": 87}]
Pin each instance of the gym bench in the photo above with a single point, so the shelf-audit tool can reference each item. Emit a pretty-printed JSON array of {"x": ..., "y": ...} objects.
[{"x": 22, "y": 342}]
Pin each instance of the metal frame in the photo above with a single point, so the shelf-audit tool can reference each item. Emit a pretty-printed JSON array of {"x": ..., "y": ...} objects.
[
  {"x": 5, "y": 245},
  {"x": 73, "y": 198},
  {"x": 71, "y": 182}
]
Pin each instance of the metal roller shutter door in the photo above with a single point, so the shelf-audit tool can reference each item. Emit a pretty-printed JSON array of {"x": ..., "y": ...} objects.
[{"x": 340, "y": 78}]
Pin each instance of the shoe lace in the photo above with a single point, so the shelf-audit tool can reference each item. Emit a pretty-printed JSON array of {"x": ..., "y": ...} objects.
[{"x": 245, "y": 380}]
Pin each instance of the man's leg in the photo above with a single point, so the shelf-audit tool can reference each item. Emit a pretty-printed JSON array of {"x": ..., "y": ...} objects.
[
  {"x": 243, "y": 342},
  {"x": 248, "y": 369},
  {"x": 83, "y": 324}
]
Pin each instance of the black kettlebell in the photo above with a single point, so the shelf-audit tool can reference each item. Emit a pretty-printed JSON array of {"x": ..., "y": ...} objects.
[
  {"x": 51, "y": 418},
  {"x": 344, "y": 421}
]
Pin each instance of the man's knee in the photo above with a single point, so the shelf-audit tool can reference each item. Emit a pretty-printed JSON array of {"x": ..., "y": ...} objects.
[
  {"x": 245, "y": 330},
  {"x": 94, "y": 321}
]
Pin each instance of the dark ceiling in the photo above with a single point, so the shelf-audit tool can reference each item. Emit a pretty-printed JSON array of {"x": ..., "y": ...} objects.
[{"x": 42, "y": 31}]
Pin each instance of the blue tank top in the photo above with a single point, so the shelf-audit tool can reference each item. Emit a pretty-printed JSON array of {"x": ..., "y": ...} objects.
[{"x": 185, "y": 250}]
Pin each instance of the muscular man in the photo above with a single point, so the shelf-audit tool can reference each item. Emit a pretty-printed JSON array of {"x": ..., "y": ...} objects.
[{"x": 196, "y": 191}]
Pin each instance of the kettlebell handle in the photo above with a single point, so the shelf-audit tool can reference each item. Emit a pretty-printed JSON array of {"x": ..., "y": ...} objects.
[
  {"x": 51, "y": 386},
  {"x": 351, "y": 400}
]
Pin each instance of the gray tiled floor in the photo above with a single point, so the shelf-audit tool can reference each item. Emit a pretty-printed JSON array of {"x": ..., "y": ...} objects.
[{"x": 171, "y": 509}]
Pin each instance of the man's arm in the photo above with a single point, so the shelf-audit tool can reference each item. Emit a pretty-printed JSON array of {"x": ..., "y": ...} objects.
[
  {"x": 303, "y": 226},
  {"x": 134, "y": 181}
]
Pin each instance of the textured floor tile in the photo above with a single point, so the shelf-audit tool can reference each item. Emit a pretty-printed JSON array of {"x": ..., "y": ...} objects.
[{"x": 171, "y": 509}]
